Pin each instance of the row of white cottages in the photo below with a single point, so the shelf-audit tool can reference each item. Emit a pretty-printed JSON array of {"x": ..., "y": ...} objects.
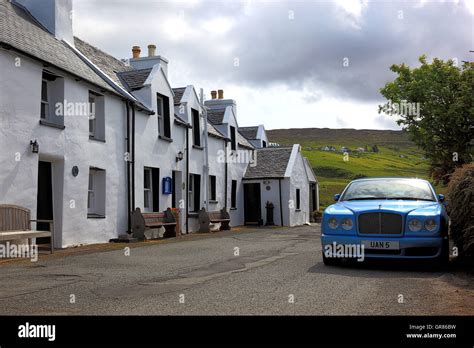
[{"x": 148, "y": 145}]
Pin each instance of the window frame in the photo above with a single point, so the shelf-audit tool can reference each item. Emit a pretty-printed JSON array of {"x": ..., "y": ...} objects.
[
  {"x": 298, "y": 199},
  {"x": 233, "y": 194},
  {"x": 212, "y": 188},
  {"x": 148, "y": 191}
]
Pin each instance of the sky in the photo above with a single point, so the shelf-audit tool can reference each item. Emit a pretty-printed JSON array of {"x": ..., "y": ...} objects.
[{"x": 288, "y": 64}]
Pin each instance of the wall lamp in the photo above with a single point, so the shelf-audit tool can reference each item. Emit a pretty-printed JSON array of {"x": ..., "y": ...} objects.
[
  {"x": 180, "y": 156},
  {"x": 34, "y": 146}
]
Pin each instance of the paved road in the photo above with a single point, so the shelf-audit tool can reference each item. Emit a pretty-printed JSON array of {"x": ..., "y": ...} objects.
[{"x": 274, "y": 266}]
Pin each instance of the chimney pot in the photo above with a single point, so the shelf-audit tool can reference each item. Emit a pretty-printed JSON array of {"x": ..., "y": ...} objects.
[
  {"x": 151, "y": 50},
  {"x": 221, "y": 93},
  {"x": 136, "y": 52},
  {"x": 214, "y": 94}
]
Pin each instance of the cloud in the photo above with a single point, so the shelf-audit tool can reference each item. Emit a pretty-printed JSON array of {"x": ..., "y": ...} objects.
[{"x": 315, "y": 53}]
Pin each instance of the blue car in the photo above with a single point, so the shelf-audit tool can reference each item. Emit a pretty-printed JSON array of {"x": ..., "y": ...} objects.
[{"x": 390, "y": 218}]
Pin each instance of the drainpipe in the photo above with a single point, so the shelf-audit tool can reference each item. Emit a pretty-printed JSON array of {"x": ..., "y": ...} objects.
[
  {"x": 133, "y": 156},
  {"x": 206, "y": 149},
  {"x": 127, "y": 142},
  {"x": 226, "y": 176},
  {"x": 281, "y": 207},
  {"x": 187, "y": 179}
]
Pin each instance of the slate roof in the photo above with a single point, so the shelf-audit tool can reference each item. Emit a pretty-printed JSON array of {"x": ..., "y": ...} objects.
[
  {"x": 216, "y": 116},
  {"x": 134, "y": 79},
  {"x": 20, "y": 31},
  {"x": 249, "y": 133},
  {"x": 178, "y": 94},
  {"x": 271, "y": 163},
  {"x": 243, "y": 142},
  {"x": 213, "y": 132},
  {"x": 104, "y": 61}
]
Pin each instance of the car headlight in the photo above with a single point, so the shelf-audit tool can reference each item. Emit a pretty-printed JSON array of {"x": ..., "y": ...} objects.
[
  {"x": 431, "y": 225},
  {"x": 414, "y": 225},
  {"x": 333, "y": 223},
  {"x": 347, "y": 224}
]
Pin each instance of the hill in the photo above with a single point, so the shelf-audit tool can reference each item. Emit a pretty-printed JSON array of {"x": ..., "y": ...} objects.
[{"x": 396, "y": 156}]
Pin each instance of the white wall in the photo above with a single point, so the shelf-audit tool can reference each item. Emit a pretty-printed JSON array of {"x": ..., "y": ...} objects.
[{"x": 20, "y": 115}]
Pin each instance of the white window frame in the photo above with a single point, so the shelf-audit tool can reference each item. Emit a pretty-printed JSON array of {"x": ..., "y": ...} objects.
[
  {"x": 92, "y": 121},
  {"x": 148, "y": 191},
  {"x": 191, "y": 193},
  {"x": 159, "y": 113},
  {"x": 91, "y": 193},
  {"x": 45, "y": 102}
]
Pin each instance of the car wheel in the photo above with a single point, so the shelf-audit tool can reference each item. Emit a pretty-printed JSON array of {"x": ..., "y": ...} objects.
[{"x": 330, "y": 261}]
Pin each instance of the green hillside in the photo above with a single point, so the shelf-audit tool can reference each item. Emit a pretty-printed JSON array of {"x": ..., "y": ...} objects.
[{"x": 397, "y": 155}]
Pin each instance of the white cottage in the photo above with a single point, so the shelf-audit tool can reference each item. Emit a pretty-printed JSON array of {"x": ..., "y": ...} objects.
[
  {"x": 88, "y": 138},
  {"x": 280, "y": 176}
]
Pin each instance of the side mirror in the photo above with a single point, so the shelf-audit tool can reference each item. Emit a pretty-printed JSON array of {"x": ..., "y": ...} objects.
[
  {"x": 441, "y": 198},
  {"x": 337, "y": 196}
]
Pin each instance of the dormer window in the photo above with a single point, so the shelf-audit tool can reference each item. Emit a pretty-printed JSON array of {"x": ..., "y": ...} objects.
[
  {"x": 233, "y": 140},
  {"x": 164, "y": 117},
  {"x": 196, "y": 128}
]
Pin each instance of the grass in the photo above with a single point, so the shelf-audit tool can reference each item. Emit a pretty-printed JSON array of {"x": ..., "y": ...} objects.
[{"x": 397, "y": 156}]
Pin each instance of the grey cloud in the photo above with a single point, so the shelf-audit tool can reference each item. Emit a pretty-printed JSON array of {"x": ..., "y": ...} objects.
[{"x": 272, "y": 49}]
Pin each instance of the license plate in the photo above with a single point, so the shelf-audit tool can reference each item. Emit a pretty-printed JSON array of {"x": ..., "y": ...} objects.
[{"x": 381, "y": 245}]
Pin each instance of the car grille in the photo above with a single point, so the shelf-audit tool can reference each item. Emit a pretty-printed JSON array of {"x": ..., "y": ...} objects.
[{"x": 380, "y": 223}]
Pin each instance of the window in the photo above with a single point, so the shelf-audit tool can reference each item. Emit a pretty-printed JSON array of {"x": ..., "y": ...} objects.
[
  {"x": 212, "y": 188},
  {"x": 96, "y": 193},
  {"x": 298, "y": 199},
  {"x": 233, "y": 196},
  {"x": 44, "y": 99},
  {"x": 233, "y": 144},
  {"x": 151, "y": 189},
  {"x": 196, "y": 128},
  {"x": 194, "y": 192},
  {"x": 264, "y": 143},
  {"x": 164, "y": 118},
  {"x": 52, "y": 110},
  {"x": 96, "y": 116}
]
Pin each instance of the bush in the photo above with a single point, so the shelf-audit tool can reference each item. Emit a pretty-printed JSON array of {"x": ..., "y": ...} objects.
[
  {"x": 317, "y": 216},
  {"x": 461, "y": 208},
  {"x": 359, "y": 176}
]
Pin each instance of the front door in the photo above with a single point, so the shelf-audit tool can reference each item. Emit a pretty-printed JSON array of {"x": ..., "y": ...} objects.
[
  {"x": 44, "y": 201},
  {"x": 252, "y": 204}
]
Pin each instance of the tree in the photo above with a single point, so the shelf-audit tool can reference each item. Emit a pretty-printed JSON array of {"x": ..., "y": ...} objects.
[{"x": 435, "y": 105}]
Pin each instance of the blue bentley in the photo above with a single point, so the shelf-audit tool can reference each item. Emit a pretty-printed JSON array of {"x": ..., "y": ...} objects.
[{"x": 397, "y": 218}]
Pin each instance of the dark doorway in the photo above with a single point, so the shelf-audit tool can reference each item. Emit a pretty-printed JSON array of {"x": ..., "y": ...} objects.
[
  {"x": 252, "y": 204},
  {"x": 44, "y": 201}
]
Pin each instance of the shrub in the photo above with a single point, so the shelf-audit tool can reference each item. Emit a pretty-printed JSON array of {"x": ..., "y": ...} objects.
[
  {"x": 461, "y": 208},
  {"x": 317, "y": 216},
  {"x": 359, "y": 176}
]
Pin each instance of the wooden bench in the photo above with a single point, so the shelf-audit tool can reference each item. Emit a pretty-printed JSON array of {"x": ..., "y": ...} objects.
[
  {"x": 15, "y": 223},
  {"x": 218, "y": 216},
  {"x": 144, "y": 221}
]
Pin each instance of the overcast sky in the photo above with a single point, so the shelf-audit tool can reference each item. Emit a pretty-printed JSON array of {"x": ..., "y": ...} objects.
[{"x": 283, "y": 62}]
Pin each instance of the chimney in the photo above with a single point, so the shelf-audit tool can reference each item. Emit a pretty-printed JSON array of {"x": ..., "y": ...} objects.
[
  {"x": 151, "y": 50},
  {"x": 214, "y": 94},
  {"x": 150, "y": 61},
  {"x": 221, "y": 93},
  {"x": 136, "y": 52},
  {"x": 54, "y": 15}
]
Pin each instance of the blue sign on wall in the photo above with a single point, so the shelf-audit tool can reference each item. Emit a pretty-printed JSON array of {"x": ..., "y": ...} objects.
[{"x": 167, "y": 185}]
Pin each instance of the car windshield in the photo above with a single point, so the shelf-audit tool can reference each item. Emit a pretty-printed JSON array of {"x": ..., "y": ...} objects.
[{"x": 408, "y": 189}]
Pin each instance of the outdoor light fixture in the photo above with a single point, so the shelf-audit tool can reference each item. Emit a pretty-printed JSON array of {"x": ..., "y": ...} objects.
[
  {"x": 34, "y": 146},
  {"x": 179, "y": 157}
]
